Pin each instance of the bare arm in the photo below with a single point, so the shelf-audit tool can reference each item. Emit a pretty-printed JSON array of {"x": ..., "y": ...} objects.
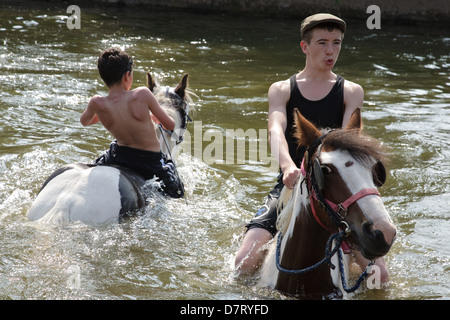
[
  {"x": 89, "y": 117},
  {"x": 277, "y": 121},
  {"x": 353, "y": 99},
  {"x": 158, "y": 112}
]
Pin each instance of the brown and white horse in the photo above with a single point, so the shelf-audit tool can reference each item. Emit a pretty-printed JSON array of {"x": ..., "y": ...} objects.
[
  {"x": 102, "y": 193},
  {"x": 335, "y": 202}
]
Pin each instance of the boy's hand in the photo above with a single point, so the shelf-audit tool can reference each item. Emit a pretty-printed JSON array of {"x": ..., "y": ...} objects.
[
  {"x": 291, "y": 176},
  {"x": 155, "y": 120}
]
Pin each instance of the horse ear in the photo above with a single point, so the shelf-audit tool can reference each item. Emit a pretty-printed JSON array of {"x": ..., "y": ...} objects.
[
  {"x": 180, "y": 90},
  {"x": 355, "y": 121},
  {"x": 150, "y": 82},
  {"x": 305, "y": 132}
]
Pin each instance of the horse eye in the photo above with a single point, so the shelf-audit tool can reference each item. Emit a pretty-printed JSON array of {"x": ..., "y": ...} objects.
[{"x": 326, "y": 169}]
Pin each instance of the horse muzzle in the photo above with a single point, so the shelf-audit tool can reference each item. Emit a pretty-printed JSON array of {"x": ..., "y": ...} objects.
[{"x": 375, "y": 241}]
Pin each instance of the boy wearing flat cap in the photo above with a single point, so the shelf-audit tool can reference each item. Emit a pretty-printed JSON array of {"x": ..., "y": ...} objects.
[{"x": 322, "y": 97}]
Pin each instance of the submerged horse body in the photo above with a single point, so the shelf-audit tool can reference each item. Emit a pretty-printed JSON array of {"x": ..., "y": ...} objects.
[
  {"x": 336, "y": 201},
  {"x": 100, "y": 193}
]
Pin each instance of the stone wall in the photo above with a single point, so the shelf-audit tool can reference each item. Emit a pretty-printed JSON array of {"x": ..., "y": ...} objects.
[{"x": 393, "y": 10}]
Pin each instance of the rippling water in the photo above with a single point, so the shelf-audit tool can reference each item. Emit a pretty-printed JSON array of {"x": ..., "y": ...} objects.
[{"x": 175, "y": 250}]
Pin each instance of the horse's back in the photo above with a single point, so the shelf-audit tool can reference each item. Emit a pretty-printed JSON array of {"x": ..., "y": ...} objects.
[{"x": 86, "y": 193}]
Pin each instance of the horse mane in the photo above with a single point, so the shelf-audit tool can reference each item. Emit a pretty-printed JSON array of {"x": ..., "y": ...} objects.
[
  {"x": 285, "y": 208},
  {"x": 362, "y": 147},
  {"x": 163, "y": 98}
]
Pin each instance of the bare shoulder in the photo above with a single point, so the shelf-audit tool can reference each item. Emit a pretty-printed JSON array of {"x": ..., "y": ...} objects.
[
  {"x": 97, "y": 98},
  {"x": 353, "y": 90},
  {"x": 280, "y": 87},
  {"x": 141, "y": 89},
  {"x": 141, "y": 97},
  {"x": 141, "y": 92},
  {"x": 279, "y": 93},
  {"x": 96, "y": 101},
  {"x": 353, "y": 99}
]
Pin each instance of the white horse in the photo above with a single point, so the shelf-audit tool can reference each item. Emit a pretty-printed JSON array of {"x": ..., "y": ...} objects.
[
  {"x": 100, "y": 193},
  {"x": 336, "y": 204}
]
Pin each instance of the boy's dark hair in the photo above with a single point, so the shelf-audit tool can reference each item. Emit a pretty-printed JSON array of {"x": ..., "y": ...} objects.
[
  {"x": 112, "y": 65},
  {"x": 329, "y": 26}
]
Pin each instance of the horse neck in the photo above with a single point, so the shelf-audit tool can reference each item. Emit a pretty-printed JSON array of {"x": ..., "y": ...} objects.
[
  {"x": 306, "y": 241},
  {"x": 303, "y": 245}
]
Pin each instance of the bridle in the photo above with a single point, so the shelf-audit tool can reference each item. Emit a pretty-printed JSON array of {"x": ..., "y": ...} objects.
[{"x": 183, "y": 108}]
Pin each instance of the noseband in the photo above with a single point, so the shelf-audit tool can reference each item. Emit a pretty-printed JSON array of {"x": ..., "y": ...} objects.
[{"x": 315, "y": 183}]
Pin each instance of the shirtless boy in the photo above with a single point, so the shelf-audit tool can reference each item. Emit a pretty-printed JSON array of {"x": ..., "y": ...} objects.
[
  {"x": 125, "y": 114},
  {"x": 325, "y": 99}
]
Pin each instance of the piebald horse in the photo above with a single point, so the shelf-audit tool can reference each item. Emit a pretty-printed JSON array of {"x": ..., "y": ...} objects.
[
  {"x": 334, "y": 205},
  {"x": 103, "y": 193}
]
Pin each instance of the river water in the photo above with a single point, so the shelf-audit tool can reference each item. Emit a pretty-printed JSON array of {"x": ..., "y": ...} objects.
[{"x": 179, "y": 250}]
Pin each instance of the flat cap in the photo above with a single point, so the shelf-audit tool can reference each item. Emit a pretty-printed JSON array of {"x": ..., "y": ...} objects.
[{"x": 319, "y": 18}]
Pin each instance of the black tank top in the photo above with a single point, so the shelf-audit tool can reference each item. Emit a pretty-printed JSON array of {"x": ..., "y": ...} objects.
[{"x": 325, "y": 113}]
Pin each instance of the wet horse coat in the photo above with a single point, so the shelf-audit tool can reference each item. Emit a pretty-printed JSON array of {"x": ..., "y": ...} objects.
[
  {"x": 102, "y": 193},
  {"x": 336, "y": 195},
  {"x": 88, "y": 193}
]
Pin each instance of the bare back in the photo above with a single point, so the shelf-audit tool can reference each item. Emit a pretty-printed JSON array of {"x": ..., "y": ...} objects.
[{"x": 125, "y": 114}]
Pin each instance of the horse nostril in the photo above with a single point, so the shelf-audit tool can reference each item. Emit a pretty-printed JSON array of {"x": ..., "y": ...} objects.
[
  {"x": 375, "y": 239},
  {"x": 367, "y": 229}
]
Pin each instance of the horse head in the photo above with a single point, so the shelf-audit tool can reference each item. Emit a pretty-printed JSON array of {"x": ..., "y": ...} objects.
[
  {"x": 176, "y": 101},
  {"x": 345, "y": 168}
]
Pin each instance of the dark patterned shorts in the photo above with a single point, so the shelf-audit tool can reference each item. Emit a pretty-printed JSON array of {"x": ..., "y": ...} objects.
[
  {"x": 147, "y": 164},
  {"x": 266, "y": 216}
]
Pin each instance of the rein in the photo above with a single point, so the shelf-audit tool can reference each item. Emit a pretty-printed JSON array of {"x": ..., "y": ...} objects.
[
  {"x": 329, "y": 252},
  {"x": 170, "y": 92},
  {"x": 170, "y": 155}
]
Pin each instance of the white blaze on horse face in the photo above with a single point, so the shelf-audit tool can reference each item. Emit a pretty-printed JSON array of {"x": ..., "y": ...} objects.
[{"x": 358, "y": 177}]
